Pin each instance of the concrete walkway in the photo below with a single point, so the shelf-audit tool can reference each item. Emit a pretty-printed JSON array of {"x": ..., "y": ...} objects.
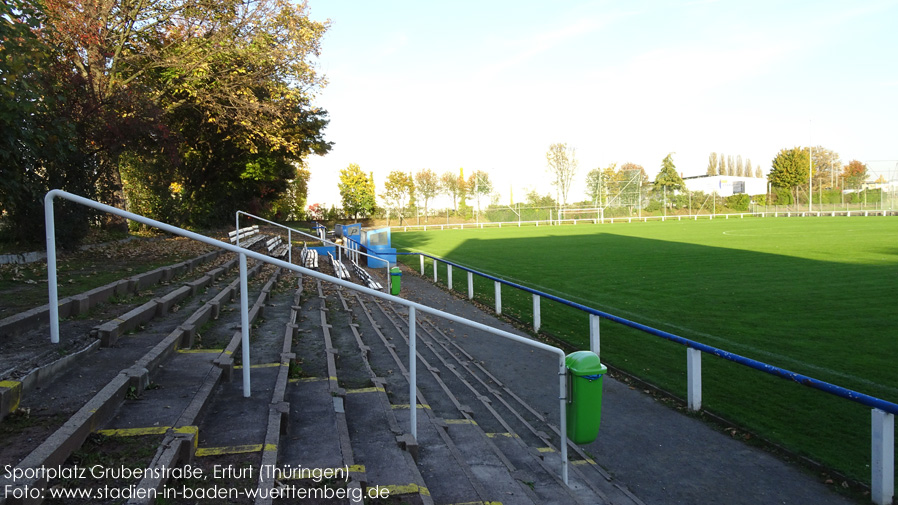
[{"x": 663, "y": 456}]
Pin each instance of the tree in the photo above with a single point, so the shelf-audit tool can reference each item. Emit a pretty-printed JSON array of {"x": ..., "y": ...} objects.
[
  {"x": 790, "y": 170},
  {"x": 854, "y": 174},
  {"x": 712, "y": 164},
  {"x": 452, "y": 185},
  {"x": 398, "y": 189},
  {"x": 598, "y": 181},
  {"x": 740, "y": 168},
  {"x": 480, "y": 185},
  {"x": 827, "y": 168},
  {"x": 428, "y": 185},
  {"x": 721, "y": 165},
  {"x": 668, "y": 179},
  {"x": 562, "y": 163},
  {"x": 356, "y": 191},
  {"x": 632, "y": 178},
  {"x": 758, "y": 173}
]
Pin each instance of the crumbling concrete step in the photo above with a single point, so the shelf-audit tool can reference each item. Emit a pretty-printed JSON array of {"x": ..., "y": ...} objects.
[
  {"x": 312, "y": 439},
  {"x": 376, "y": 446}
]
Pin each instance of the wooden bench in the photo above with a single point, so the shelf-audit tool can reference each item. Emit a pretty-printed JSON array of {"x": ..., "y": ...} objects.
[
  {"x": 339, "y": 268},
  {"x": 309, "y": 257},
  {"x": 276, "y": 247},
  {"x": 248, "y": 236},
  {"x": 366, "y": 277}
]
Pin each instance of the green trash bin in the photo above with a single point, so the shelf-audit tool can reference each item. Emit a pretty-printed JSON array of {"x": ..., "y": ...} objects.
[
  {"x": 584, "y": 407},
  {"x": 395, "y": 280}
]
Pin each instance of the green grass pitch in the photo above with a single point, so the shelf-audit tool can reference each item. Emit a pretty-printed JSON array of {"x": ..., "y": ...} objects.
[{"x": 813, "y": 295}]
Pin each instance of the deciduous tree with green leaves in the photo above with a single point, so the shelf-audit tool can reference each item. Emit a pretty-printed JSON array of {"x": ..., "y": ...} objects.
[
  {"x": 562, "y": 165},
  {"x": 790, "y": 170},
  {"x": 357, "y": 191}
]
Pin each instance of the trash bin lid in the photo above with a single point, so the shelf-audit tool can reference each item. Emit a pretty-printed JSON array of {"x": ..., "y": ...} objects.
[
  {"x": 584, "y": 363},
  {"x": 395, "y": 271}
]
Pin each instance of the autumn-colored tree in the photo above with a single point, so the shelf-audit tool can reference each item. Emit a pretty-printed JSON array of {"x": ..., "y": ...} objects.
[
  {"x": 790, "y": 170},
  {"x": 479, "y": 185},
  {"x": 631, "y": 181},
  {"x": 712, "y": 164},
  {"x": 854, "y": 174},
  {"x": 599, "y": 182},
  {"x": 452, "y": 185},
  {"x": 356, "y": 191},
  {"x": 427, "y": 184},
  {"x": 398, "y": 190},
  {"x": 562, "y": 165}
]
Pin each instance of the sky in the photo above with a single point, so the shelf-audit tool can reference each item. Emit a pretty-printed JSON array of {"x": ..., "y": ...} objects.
[{"x": 490, "y": 85}]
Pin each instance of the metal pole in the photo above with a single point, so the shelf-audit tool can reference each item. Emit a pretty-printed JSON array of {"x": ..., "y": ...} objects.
[
  {"x": 290, "y": 246},
  {"x": 562, "y": 414},
  {"x": 412, "y": 373},
  {"x": 537, "y": 320},
  {"x": 51, "y": 268},
  {"x": 244, "y": 326}
]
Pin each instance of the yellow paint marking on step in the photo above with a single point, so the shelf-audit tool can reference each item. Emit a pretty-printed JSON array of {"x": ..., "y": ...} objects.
[
  {"x": 261, "y": 365},
  {"x": 405, "y": 406},
  {"x": 366, "y": 390},
  {"x": 357, "y": 469},
  {"x": 135, "y": 432},
  {"x": 409, "y": 489},
  {"x": 545, "y": 449},
  {"x": 479, "y": 503},
  {"x": 506, "y": 435},
  {"x": 306, "y": 379},
  {"x": 583, "y": 462},
  {"x": 15, "y": 388},
  {"x": 201, "y": 351},
  {"x": 461, "y": 421},
  {"x": 234, "y": 449}
]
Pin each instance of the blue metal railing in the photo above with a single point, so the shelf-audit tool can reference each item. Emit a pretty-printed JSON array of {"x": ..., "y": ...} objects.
[{"x": 864, "y": 399}]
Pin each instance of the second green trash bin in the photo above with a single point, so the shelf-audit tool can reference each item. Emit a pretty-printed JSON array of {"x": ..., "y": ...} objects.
[
  {"x": 395, "y": 280},
  {"x": 584, "y": 407}
]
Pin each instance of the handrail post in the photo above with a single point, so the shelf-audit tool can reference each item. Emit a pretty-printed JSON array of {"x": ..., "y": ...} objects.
[
  {"x": 449, "y": 276},
  {"x": 289, "y": 246},
  {"x": 470, "y": 285},
  {"x": 421, "y": 257},
  {"x": 882, "y": 461},
  {"x": 434, "y": 270},
  {"x": 244, "y": 326},
  {"x": 498, "y": 286},
  {"x": 237, "y": 228},
  {"x": 694, "y": 379},
  {"x": 562, "y": 413},
  {"x": 49, "y": 223},
  {"x": 536, "y": 314},
  {"x": 412, "y": 373},
  {"x": 594, "y": 334}
]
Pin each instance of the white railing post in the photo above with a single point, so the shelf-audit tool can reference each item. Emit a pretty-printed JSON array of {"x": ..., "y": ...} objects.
[
  {"x": 237, "y": 227},
  {"x": 434, "y": 271},
  {"x": 421, "y": 257},
  {"x": 562, "y": 415},
  {"x": 694, "y": 379},
  {"x": 449, "y": 276},
  {"x": 470, "y": 285},
  {"x": 498, "y": 297},
  {"x": 594, "y": 342},
  {"x": 412, "y": 373},
  {"x": 289, "y": 246},
  {"x": 882, "y": 461},
  {"x": 244, "y": 326},
  {"x": 49, "y": 223},
  {"x": 536, "y": 315}
]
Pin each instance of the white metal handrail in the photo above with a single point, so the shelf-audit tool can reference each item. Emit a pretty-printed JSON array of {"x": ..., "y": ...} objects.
[{"x": 243, "y": 254}]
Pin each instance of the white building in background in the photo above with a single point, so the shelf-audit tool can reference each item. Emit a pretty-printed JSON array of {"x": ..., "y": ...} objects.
[{"x": 726, "y": 185}]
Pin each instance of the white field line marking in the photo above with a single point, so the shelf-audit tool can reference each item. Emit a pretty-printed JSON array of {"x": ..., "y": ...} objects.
[{"x": 733, "y": 344}]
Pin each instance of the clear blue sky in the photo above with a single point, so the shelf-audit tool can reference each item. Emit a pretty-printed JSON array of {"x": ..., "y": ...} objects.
[{"x": 489, "y": 85}]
